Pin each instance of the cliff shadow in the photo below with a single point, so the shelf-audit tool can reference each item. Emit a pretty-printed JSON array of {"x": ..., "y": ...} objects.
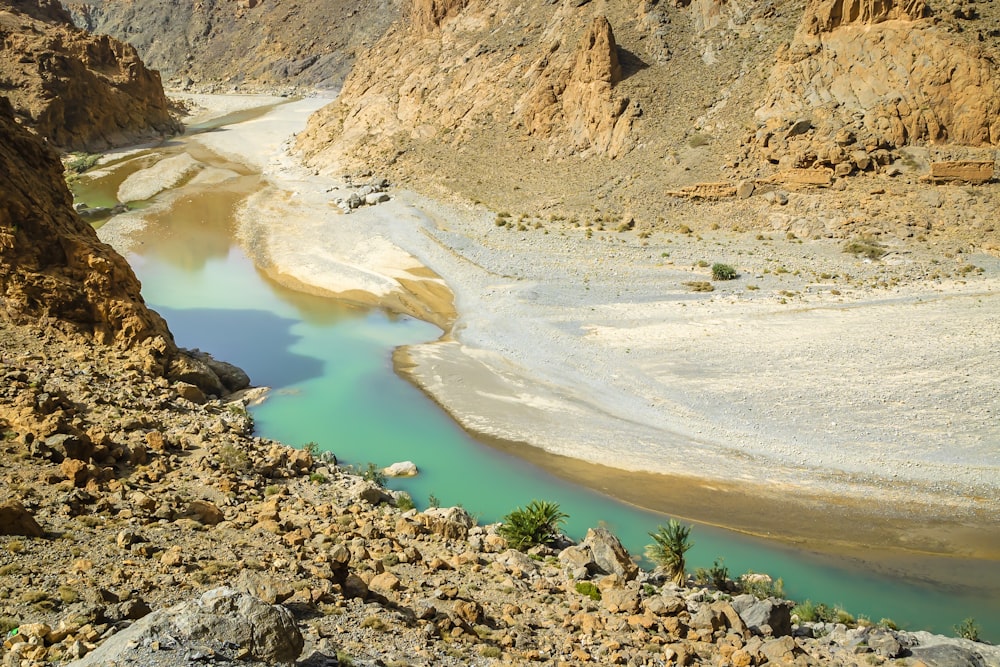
[
  {"x": 630, "y": 62},
  {"x": 258, "y": 341}
]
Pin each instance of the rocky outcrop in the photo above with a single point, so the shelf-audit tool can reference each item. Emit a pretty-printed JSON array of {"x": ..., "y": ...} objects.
[
  {"x": 53, "y": 268},
  {"x": 863, "y": 76},
  {"x": 219, "y": 44},
  {"x": 79, "y": 91},
  {"x": 575, "y": 104}
]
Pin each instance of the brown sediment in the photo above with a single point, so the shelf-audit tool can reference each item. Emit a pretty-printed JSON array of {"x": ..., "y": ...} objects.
[
  {"x": 428, "y": 300},
  {"x": 935, "y": 544}
]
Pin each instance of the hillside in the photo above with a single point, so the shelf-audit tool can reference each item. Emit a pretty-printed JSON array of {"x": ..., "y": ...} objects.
[
  {"x": 274, "y": 44},
  {"x": 596, "y": 111},
  {"x": 79, "y": 91}
]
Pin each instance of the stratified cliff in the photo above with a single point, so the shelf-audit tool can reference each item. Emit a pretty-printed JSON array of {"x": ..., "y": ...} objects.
[
  {"x": 53, "y": 269},
  {"x": 79, "y": 91}
]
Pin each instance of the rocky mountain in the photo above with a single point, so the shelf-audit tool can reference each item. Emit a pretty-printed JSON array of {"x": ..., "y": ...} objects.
[
  {"x": 79, "y": 91},
  {"x": 507, "y": 103},
  {"x": 245, "y": 43}
]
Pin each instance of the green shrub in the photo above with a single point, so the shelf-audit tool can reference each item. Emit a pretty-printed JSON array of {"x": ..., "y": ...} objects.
[
  {"x": 433, "y": 501},
  {"x": 589, "y": 589},
  {"x": 867, "y": 247},
  {"x": 723, "y": 272},
  {"x": 761, "y": 586},
  {"x": 318, "y": 478},
  {"x": 81, "y": 162},
  {"x": 404, "y": 502},
  {"x": 372, "y": 473},
  {"x": 538, "y": 523},
  {"x": 968, "y": 629},
  {"x": 887, "y": 624},
  {"x": 670, "y": 543}
]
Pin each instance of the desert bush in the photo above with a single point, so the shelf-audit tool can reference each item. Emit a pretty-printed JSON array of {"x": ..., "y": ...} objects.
[
  {"x": 670, "y": 543},
  {"x": 723, "y": 272},
  {"x": 538, "y": 523},
  {"x": 761, "y": 586},
  {"x": 866, "y": 247},
  {"x": 699, "y": 286},
  {"x": 405, "y": 502},
  {"x": 968, "y": 629}
]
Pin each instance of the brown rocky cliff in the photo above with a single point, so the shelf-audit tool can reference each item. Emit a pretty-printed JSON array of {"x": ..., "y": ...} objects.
[
  {"x": 864, "y": 76},
  {"x": 53, "y": 268},
  {"x": 576, "y": 104},
  {"x": 428, "y": 14},
  {"x": 80, "y": 91}
]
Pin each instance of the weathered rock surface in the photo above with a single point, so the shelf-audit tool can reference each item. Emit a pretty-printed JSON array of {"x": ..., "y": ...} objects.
[
  {"x": 79, "y": 91},
  {"x": 16, "y": 520},
  {"x": 867, "y": 75},
  {"x": 53, "y": 268},
  {"x": 222, "y": 622}
]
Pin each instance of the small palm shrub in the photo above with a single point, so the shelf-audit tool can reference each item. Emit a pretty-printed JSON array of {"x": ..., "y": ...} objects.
[
  {"x": 538, "y": 523},
  {"x": 671, "y": 542},
  {"x": 723, "y": 272}
]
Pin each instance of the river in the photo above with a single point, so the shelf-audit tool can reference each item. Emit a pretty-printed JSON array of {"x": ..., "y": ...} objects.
[{"x": 330, "y": 367}]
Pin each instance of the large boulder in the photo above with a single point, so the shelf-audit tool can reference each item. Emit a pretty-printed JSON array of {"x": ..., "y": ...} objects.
[
  {"x": 16, "y": 520},
  {"x": 222, "y": 621},
  {"x": 764, "y": 617},
  {"x": 600, "y": 553}
]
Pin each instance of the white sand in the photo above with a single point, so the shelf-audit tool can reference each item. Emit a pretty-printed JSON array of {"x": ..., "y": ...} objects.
[{"x": 593, "y": 348}]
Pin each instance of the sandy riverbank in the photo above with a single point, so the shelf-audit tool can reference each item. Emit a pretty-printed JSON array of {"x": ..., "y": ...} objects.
[{"x": 591, "y": 347}]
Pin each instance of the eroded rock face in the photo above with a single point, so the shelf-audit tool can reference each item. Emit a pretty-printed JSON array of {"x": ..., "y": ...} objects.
[
  {"x": 577, "y": 101},
  {"x": 450, "y": 75},
  {"x": 53, "y": 268},
  {"x": 79, "y": 91},
  {"x": 874, "y": 74}
]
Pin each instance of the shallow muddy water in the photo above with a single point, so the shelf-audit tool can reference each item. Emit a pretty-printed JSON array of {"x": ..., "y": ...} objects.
[{"x": 330, "y": 367}]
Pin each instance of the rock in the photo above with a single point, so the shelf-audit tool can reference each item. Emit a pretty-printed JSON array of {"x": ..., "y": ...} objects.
[
  {"x": 384, "y": 583},
  {"x": 968, "y": 171},
  {"x": 221, "y": 620},
  {"x": 449, "y": 522},
  {"x": 232, "y": 377},
  {"x": 376, "y": 198},
  {"x": 372, "y": 493},
  {"x": 955, "y": 653},
  {"x": 608, "y": 553},
  {"x": 75, "y": 471},
  {"x": 884, "y": 644},
  {"x": 204, "y": 512},
  {"x": 401, "y": 469},
  {"x": 780, "y": 651},
  {"x": 16, "y": 520},
  {"x": 745, "y": 189},
  {"x": 758, "y": 614},
  {"x": 67, "y": 446},
  {"x": 190, "y": 392},
  {"x": 188, "y": 368}
]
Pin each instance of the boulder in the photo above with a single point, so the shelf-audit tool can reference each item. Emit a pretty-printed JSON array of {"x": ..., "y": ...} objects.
[
  {"x": 225, "y": 622},
  {"x": 449, "y": 522},
  {"x": 762, "y": 617},
  {"x": 609, "y": 555},
  {"x": 16, "y": 520},
  {"x": 401, "y": 469}
]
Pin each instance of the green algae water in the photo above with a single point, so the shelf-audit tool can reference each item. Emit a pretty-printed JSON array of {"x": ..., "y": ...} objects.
[{"x": 330, "y": 368}]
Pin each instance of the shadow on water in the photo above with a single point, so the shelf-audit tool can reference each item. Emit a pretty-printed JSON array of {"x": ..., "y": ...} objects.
[{"x": 236, "y": 336}]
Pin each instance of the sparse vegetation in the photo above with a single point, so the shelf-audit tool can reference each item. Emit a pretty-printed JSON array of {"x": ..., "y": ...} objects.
[
  {"x": 589, "y": 589},
  {"x": 81, "y": 162},
  {"x": 670, "y": 543},
  {"x": 717, "y": 575},
  {"x": 699, "y": 286},
  {"x": 234, "y": 459},
  {"x": 723, "y": 272},
  {"x": 538, "y": 523},
  {"x": 968, "y": 629},
  {"x": 866, "y": 247},
  {"x": 761, "y": 586},
  {"x": 405, "y": 502}
]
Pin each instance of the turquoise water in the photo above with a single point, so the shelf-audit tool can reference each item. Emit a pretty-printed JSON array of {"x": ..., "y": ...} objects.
[{"x": 330, "y": 366}]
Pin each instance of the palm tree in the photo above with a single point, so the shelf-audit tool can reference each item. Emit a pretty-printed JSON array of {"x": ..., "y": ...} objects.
[{"x": 671, "y": 543}]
